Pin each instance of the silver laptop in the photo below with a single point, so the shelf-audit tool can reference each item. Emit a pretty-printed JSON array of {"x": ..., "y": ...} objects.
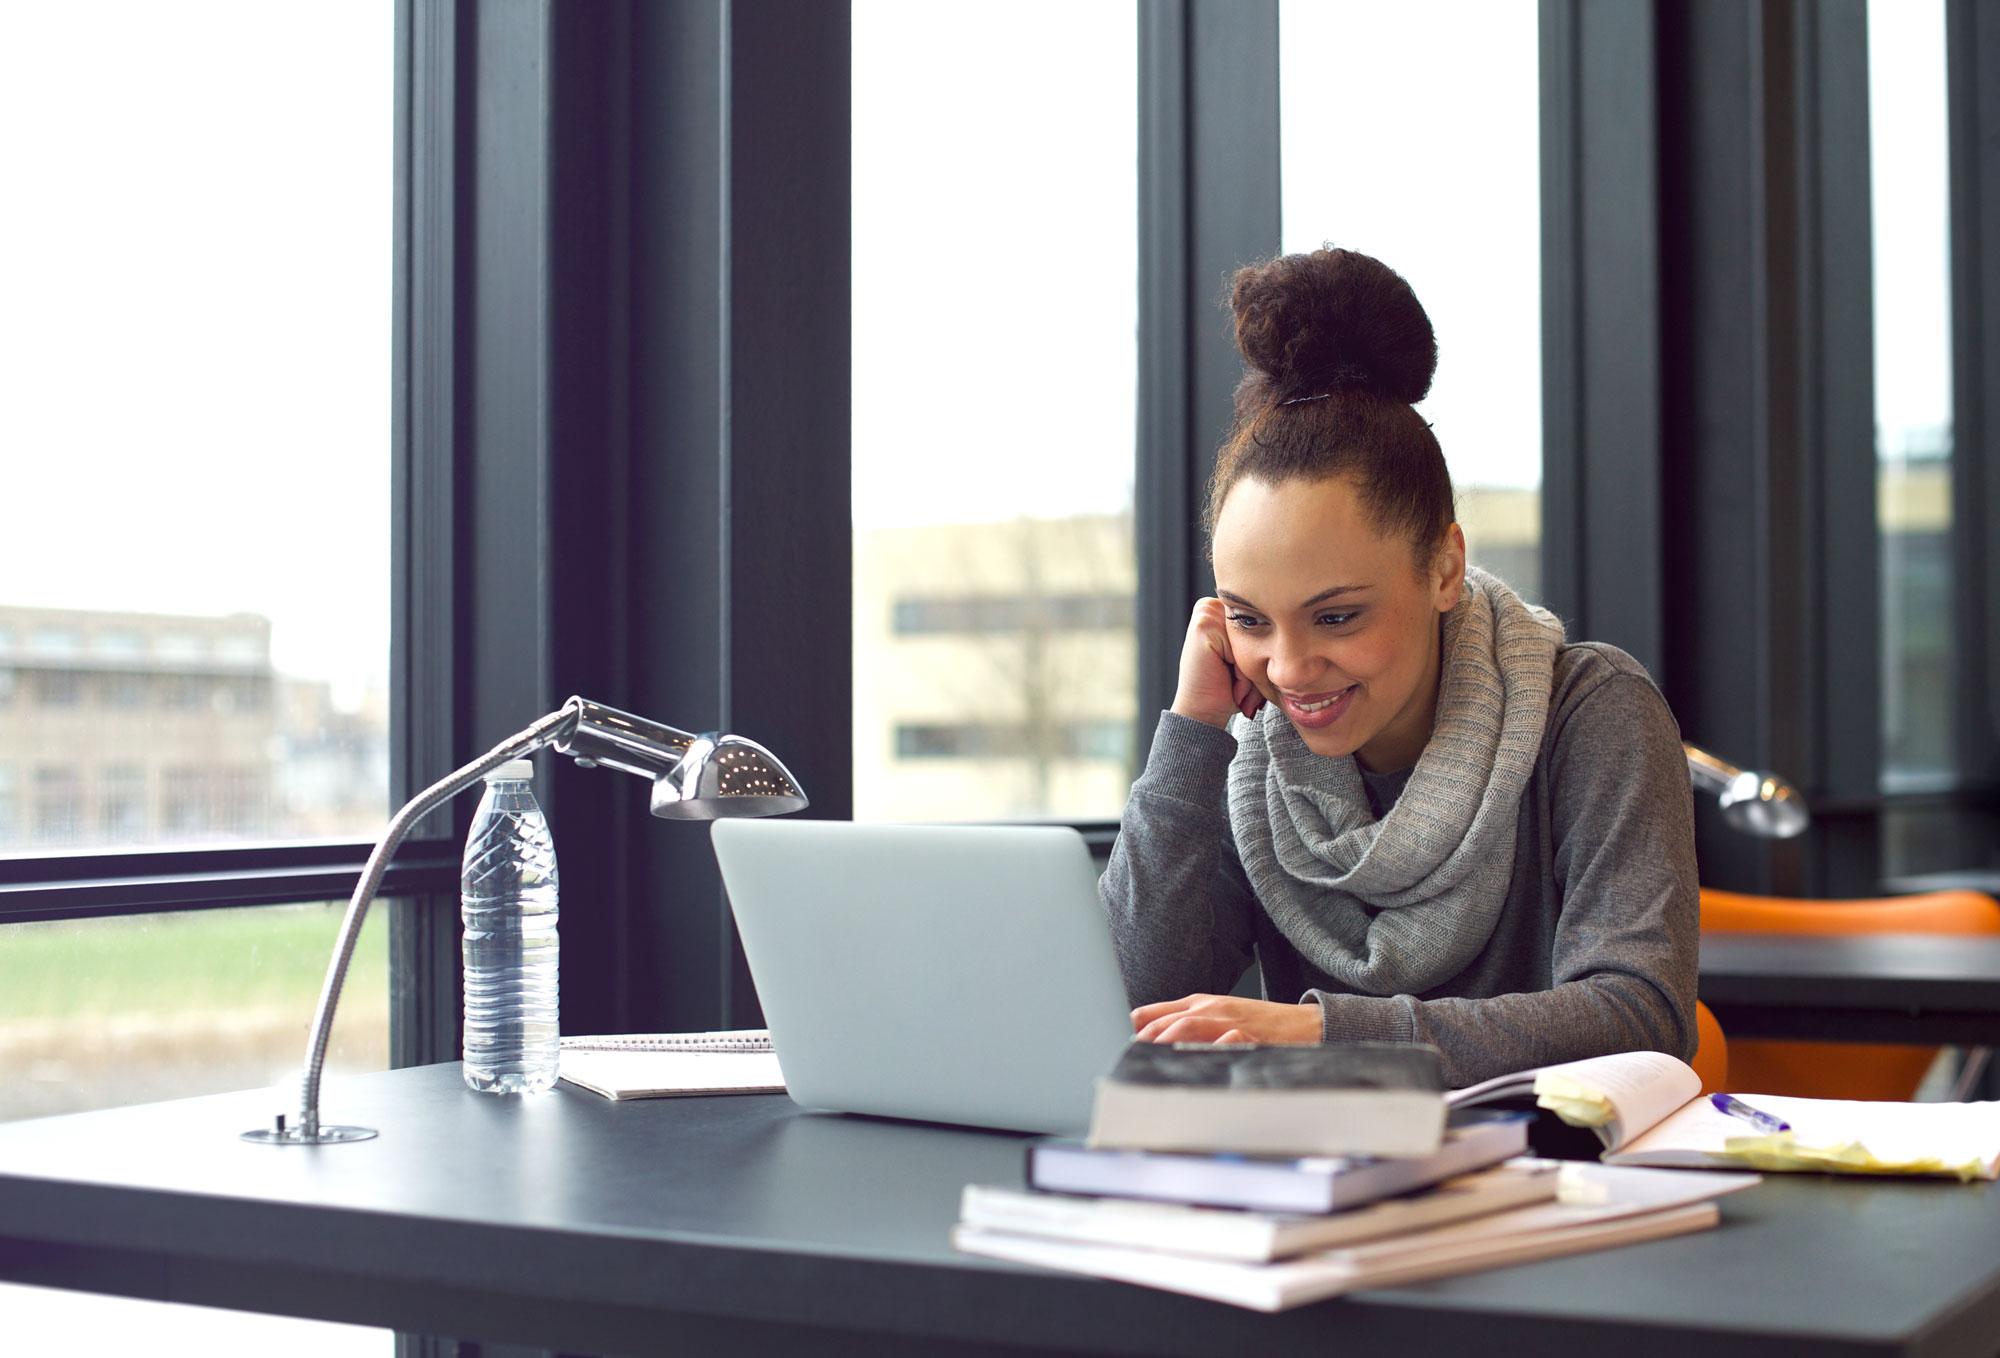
[{"x": 954, "y": 974}]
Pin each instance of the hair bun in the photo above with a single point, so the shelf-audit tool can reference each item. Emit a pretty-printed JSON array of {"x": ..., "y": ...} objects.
[{"x": 1314, "y": 322}]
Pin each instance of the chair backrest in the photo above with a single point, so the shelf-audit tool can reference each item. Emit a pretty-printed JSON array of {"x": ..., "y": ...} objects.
[
  {"x": 1711, "y": 1052},
  {"x": 1839, "y": 1070},
  {"x": 1936, "y": 912}
]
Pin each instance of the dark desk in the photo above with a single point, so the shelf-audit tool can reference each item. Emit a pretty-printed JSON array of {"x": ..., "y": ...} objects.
[
  {"x": 745, "y": 1226},
  {"x": 1923, "y": 988}
]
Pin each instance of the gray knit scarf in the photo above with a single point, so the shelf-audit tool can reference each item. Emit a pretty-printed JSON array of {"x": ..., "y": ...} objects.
[{"x": 1399, "y": 905}]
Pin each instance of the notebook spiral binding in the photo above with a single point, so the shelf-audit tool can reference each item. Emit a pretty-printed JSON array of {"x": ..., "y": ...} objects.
[{"x": 738, "y": 1040}]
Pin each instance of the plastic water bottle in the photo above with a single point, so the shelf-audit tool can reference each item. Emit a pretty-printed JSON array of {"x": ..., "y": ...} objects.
[{"x": 507, "y": 893}]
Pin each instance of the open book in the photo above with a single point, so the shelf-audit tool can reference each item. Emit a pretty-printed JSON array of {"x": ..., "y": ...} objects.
[{"x": 1647, "y": 1109}]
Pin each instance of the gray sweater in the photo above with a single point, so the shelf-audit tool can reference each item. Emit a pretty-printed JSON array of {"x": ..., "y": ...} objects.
[{"x": 1595, "y": 948}]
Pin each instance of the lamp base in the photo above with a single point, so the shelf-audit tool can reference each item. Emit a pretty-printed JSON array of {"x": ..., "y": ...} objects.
[{"x": 292, "y": 1136}]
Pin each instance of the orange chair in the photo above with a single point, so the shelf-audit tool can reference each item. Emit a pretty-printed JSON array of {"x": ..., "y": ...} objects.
[
  {"x": 1711, "y": 1051},
  {"x": 1840, "y": 1070}
]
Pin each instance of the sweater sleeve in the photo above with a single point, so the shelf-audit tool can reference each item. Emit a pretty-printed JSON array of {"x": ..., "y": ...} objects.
[
  {"x": 1627, "y": 931},
  {"x": 1179, "y": 905}
]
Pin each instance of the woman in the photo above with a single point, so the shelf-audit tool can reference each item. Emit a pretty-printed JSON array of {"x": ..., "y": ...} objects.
[{"x": 1431, "y": 818}]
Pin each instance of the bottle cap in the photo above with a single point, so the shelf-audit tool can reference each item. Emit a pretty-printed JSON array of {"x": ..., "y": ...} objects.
[{"x": 512, "y": 770}]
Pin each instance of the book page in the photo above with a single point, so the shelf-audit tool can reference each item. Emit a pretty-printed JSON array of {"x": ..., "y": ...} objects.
[{"x": 1620, "y": 1095}]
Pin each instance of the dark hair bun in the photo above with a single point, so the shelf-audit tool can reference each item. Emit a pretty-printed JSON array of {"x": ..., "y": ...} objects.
[{"x": 1331, "y": 318}]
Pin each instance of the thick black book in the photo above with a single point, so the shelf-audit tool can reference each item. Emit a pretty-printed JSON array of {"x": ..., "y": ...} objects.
[{"x": 1351, "y": 1098}]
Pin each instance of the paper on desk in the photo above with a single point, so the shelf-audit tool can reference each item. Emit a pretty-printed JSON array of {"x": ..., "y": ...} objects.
[
  {"x": 663, "y": 1074},
  {"x": 1835, "y": 1136}
]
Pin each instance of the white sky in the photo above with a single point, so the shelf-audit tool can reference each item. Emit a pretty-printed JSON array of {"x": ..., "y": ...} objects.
[
  {"x": 195, "y": 342},
  {"x": 1411, "y": 132},
  {"x": 1909, "y": 160},
  {"x": 995, "y": 259},
  {"x": 195, "y": 272}
]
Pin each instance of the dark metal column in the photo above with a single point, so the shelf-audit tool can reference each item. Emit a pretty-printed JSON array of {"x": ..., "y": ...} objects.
[{"x": 1209, "y": 202}]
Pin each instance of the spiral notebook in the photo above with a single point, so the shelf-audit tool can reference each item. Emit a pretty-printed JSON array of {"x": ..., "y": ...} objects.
[{"x": 667, "y": 1065}]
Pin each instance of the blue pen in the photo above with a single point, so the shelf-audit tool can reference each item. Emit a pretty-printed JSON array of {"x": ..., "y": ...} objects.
[{"x": 1736, "y": 1108}]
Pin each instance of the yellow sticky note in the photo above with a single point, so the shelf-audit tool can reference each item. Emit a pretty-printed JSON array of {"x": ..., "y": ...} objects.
[
  {"x": 1576, "y": 1104},
  {"x": 1784, "y": 1151}
]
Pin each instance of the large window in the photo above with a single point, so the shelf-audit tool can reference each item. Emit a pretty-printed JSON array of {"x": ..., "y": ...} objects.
[
  {"x": 1910, "y": 185},
  {"x": 1380, "y": 155},
  {"x": 195, "y": 358},
  {"x": 195, "y": 388},
  {"x": 995, "y": 359}
]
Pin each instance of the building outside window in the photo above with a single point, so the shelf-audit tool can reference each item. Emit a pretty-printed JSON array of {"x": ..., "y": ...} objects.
[
  {"x": 58, "y": 805},
  {"x": 994, "y": 618},
  {"x": 122, "y": 804}
]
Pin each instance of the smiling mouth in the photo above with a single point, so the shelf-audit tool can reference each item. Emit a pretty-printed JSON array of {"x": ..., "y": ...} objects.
[{"x": 1321, "y": 711}]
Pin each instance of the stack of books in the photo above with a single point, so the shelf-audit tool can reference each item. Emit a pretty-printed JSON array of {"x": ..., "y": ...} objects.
[{"x": 1270, "y": 1177}]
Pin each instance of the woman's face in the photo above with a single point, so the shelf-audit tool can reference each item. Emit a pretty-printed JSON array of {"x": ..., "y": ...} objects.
[{"x": 1332, "y": 620}]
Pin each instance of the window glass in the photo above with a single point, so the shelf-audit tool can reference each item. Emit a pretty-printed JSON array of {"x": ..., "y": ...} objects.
[
  {"x": 995, "y": 364},
  {"x": 1378, "y": 161},
  {"x": 1910, "y": 185},
  {"x": 96, "y": 1013},
  {"x": 194, "y": 360}
]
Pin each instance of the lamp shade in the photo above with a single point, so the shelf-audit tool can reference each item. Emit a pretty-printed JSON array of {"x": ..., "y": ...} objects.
[
  {"x": 695, "y": 777},
  {"x": 1760, "y": 804}
]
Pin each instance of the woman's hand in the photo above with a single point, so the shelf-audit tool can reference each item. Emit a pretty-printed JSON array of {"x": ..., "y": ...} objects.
[
  {"x": 1225, "y": 1018},
  {"x": 1211, "y": 688}
]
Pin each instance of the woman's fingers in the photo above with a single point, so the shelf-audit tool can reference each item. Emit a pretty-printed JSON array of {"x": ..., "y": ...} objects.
[
  {"x": 1248, "y": 699},
  {"x": 1192, "y": 1018},
  {"x": 1226, "y": 1018},
  {"x": 1187, "y": 1028},
  {"x": 1207, "y": 688}
]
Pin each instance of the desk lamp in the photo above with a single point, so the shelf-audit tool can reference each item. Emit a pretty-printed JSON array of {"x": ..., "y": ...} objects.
[
  {"x": 1761, "y": 804},
  {"x": 704, "y": 777}
]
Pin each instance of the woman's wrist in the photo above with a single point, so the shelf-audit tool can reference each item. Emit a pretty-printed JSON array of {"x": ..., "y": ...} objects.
[{"x": 1219, "y": 720}]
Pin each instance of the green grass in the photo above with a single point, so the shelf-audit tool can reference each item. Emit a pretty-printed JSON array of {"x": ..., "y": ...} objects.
[{"x": 204, "y": 959}]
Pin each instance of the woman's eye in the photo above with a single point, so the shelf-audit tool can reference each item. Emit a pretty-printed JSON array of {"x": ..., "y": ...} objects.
[
  {"x": 1242, "y": 619},
  {"x": 1337, "y": 619}
]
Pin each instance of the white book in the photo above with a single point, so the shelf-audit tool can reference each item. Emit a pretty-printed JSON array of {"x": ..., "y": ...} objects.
[
  {"x": 1256, "y": 1237},
  {"x": 1597, "y": 1207},
  {"x": 663, "y": 1065}
]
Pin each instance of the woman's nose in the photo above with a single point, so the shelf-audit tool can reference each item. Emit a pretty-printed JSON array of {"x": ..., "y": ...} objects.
[{"x": 1292, "y": 665}]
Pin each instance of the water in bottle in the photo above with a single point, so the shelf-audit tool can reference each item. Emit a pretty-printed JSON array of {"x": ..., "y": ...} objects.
[{"x": 508, "y": 896}]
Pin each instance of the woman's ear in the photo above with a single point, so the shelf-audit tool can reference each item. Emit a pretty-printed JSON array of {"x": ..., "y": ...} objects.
[{"x": 1448, "y": 570}]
